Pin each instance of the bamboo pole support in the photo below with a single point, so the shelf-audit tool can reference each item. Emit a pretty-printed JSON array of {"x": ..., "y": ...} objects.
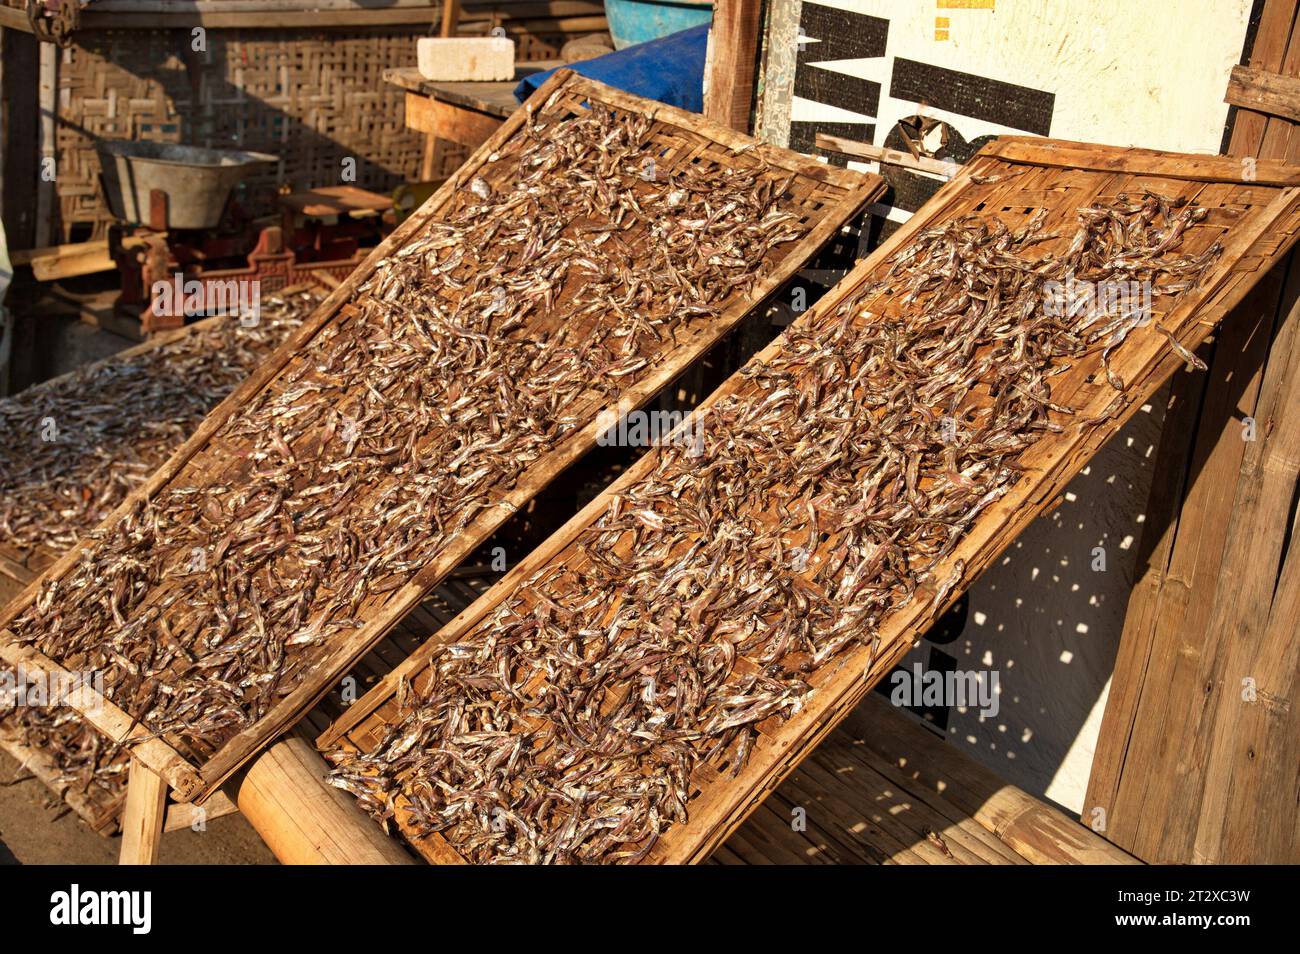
[
  {"x": 142, "y": 819},
  {"x": 302, "y": 820}
]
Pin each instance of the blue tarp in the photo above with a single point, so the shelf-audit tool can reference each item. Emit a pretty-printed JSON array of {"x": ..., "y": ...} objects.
[{"x": 670, "y": 70}]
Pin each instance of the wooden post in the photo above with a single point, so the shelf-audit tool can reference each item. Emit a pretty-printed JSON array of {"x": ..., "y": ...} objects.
[
  {"x": 431, "y": 162},
  {"x": 1197, "y": 754},
  {"x": 304, "y": 821},
  {"x": 142, "y": 818},
  {"x": 729, "y": 70},
  {"x": 48, "y": 86},
  {"x": 450, "y": 17}
]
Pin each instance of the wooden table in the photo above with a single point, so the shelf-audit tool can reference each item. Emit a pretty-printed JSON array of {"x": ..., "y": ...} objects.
[{"x": 465, "y": 113}]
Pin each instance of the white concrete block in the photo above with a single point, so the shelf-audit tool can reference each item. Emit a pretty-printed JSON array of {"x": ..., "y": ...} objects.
[{"x": 461, "y": 58}]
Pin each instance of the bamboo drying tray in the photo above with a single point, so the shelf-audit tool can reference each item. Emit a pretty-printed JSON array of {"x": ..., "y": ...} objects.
[
  {"x": 823, "y": 197},
  {"x": 1011, "y": 178},
  {"x": 98, "y": 808}
]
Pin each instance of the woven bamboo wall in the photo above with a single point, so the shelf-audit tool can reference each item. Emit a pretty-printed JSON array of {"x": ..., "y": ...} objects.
[{"x": 312, "y": 97}]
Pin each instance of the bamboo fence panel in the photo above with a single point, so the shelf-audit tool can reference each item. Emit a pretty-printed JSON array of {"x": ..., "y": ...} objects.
[{"x": 315, "y": 97}]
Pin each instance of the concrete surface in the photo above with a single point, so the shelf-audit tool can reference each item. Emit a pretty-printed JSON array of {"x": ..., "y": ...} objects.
[{"x": 38, "y": 829}]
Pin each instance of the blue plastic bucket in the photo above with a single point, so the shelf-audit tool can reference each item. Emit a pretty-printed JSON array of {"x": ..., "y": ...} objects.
[{"x": 636, "y": 21}]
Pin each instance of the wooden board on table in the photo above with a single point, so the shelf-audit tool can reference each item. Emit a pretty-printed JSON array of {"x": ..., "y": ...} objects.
[
  {"x": 496, "y": 99},
  {"x": 457, "y": 124},
  {"x": 822, "y": 199},
  {"x": 1011, "y": 179}
]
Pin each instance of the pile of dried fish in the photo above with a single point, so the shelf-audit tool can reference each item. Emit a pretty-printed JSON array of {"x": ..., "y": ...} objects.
[
  {"x": 77, "y": 445},
  {"x": 568, "y": 725},
  {"x": 557, "y": 277},
  {"x": 114, "y": 423}
]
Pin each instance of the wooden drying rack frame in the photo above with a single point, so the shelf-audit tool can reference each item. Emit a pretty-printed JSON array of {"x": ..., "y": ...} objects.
[
  {"x": 28, "y": 563},
  {"x": 1144, "y": 361},
  {"x": 196, "y": 783}
]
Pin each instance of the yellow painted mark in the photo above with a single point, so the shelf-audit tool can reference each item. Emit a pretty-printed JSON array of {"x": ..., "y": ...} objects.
[{"x": 965, "y": 4}]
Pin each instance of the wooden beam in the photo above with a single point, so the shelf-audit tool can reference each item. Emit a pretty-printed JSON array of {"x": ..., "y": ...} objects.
[
  {"x": 256, "y": 6},
  {"x": 48, "y": 91},
  {"x": 181, "y": 815},
  {"x": 450, "y": 18},
  {"x": 1183, "y": 769},
  {"x": 732, "y": 55},
  {"x": 1074, "y": 155},
  {"x": 302, "y": 820},
  {"x": 446, "y": 121},
  {"x": 1264, "y": 92},
  {"x": 1030, "y": 827},
  {"x": 106, "y": 717},
  {"x": 93, "y": 19},
  {"x": 66, "y": 261},
  {"x": 142, "y": 819},
  {"x": 14, "y": 19},
  {"x": 890, "y": 157}
]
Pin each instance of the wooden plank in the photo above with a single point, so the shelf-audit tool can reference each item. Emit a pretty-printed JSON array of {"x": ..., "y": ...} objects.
[
  {"x": 255, "y": 6},
  {"x": 446, "y": 121},
  {"x": 1255, "y": 675},
  {"x": 1178, "y": 743},
  {"x": 182, "y": 815},
  {"x": 730, "y": 62},
  {"x": 1267, "y": 53},
  {"x": 1264, "y": 92},
  {"x": 92, "y": 19},
  {"x": 1072, "y": 155},
  {"x": 537, "y": 19},
  {"x": 826, "y": 199},
  {"x": 450, "y": 17},
  {"x": 154, "y": 753},
  {"x": 498, "y": 99},
  {"x": 935, "y": 768},
  {"x": 66, "y": 261},
  {"x": 1181, "y": 547},
  {"x": 47, "y": 91},
  {"x": 1263, "y": 234},
  {"x": 14, "y": 19},
  {"x": 102, "y": 818},
  {"x": 891, "y": 157},
  {"x": 142, "y": 819}
]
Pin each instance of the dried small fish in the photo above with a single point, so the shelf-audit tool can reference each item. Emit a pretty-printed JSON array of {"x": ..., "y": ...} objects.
[
  {"x": 527, "y": 303},
  {"x": 115, "y": 422},
  {"x": 834, "y": 483}
]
